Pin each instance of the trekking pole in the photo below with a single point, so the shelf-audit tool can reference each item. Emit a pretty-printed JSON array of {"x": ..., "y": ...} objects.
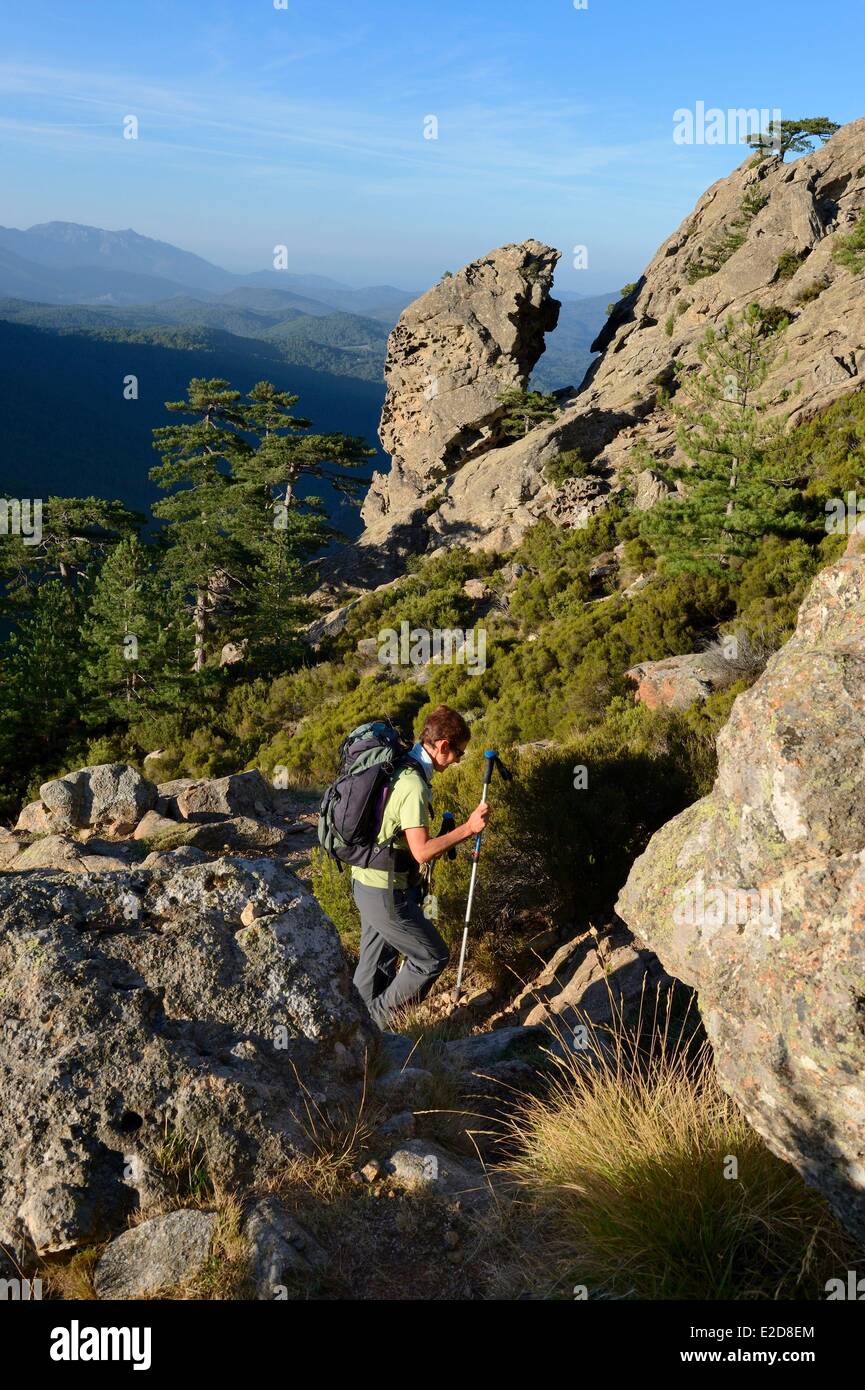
[{"x": 491, "y": 758}]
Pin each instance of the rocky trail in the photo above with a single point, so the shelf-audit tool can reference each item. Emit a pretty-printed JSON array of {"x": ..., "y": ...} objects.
[{"x": 175, "y": 1005}]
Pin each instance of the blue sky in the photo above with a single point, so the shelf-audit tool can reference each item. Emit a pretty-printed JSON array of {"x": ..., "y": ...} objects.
[{"x": 304, "y": 126}]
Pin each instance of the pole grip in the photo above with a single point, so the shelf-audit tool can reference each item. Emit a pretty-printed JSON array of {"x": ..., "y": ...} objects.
[{"x": 489, "y": 763}]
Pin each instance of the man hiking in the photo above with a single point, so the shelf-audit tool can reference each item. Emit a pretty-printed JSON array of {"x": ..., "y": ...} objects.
[{"x": 392, "y": 923}]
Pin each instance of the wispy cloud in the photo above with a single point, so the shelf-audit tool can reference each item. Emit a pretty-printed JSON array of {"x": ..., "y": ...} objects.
[{"x": 529, "y": 143}]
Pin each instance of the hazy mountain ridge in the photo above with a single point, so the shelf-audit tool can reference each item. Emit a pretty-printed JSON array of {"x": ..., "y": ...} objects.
[
  {"x": 65, "y": 262},
  {"x": 72, "y": 329}
]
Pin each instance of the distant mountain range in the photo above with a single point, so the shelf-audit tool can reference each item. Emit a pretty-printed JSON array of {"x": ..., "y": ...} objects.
[
  {"x": 81, "y": 308},
  {"x": 66, "y": 263}
]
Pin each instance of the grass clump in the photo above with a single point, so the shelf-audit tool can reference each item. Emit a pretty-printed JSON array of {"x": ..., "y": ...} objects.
[{"x": 651, "y": 1184}]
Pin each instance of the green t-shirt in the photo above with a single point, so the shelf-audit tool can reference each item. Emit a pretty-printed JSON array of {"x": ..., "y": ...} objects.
[{"x": 407, "y": 806}]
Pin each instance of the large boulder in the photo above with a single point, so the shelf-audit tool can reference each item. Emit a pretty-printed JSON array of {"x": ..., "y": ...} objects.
[
  {"x": 34, "y": 818},
  {"x": 241, "y": 794},
  {"x": 453, "y": 352},
  {"x": 209, "y": 1005},
  {"x": 675, "y": 682},
  {"x": 111, "y": 797},
  {"x": 59, "y": 852},
  {"x": 756, "y": 896}
]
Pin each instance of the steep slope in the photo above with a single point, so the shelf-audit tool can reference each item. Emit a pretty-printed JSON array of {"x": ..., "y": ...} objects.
[{"x": 93, "y": 442}]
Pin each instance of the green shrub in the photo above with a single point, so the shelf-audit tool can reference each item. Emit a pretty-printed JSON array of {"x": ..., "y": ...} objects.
[
  {"x": 814, "y": 290},
  {"x": 332, "y": 889},
  {"x": 773, "y": 317},
  {"x": 624, "y": 1165},
  {"x": 558, "y": 851},
  {"x": 309, "y": 753},
  {"x": 788, "y": 263},
  {"x": 430, "y": 596},
  {"x": 569, "y": 464},
  {"x": 849, "y": 251}
]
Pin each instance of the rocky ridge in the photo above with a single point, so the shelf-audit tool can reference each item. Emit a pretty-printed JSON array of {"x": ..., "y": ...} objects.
[{"x": 764, "y": 234}]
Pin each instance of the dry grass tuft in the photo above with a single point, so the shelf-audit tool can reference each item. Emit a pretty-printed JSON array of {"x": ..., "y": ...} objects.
[{"x": 639, "y": 1177}]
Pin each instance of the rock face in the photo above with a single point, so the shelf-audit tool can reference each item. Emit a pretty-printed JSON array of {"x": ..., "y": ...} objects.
[
  {"x": 591, "y": 979},
  {"x": 470, "y": 336},
  {"x": 756, "y": 896},
  {"x": 802, "y": 208},
  {"x": 142, "y": 1006}
]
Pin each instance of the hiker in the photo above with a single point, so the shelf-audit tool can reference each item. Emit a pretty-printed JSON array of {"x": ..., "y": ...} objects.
[{"x": 388, "y": 900}]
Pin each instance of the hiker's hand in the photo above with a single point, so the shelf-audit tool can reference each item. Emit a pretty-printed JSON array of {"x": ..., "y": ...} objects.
[{"x": 477, "y": 821}]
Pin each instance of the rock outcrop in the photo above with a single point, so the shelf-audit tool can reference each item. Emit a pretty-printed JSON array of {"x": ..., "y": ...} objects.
[
  {"x": 206, "y": 1005},
  {"x": 452, "y": 353},
  {"x": 241, "y": 813},
  {"x": 156, "y": 1255},
  {"x": 756, "y": 896},
  {"x": 592, "y": 979},
  {"x": 675, "y": 682},
  {"x": 764, "y": 234}
]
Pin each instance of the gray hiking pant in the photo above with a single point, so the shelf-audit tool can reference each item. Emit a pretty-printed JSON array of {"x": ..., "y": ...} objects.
[{"x": 392, "y": 925}]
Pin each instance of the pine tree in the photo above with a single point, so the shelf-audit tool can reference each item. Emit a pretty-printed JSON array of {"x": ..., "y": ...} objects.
[
  {"x": 285, "y": 451},
  {"x": 793, "y": 137},
  {"x": 237, "y": 529},
  {"x": 524, "y": 410},
  {"x": 733, "y": 495},
  {"x": 39, "y": 690},
  {"x": 75, "y": 534},
  {"x": 204, "y": 553},
  {"x": 134, "y": 639}
]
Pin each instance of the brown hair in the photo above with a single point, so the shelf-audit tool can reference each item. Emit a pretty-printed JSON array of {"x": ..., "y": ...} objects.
[{"x": 445, "y": 722}]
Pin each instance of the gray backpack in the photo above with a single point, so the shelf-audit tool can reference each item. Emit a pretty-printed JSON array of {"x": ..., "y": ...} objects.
[{"x": 350, "y": 815}]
